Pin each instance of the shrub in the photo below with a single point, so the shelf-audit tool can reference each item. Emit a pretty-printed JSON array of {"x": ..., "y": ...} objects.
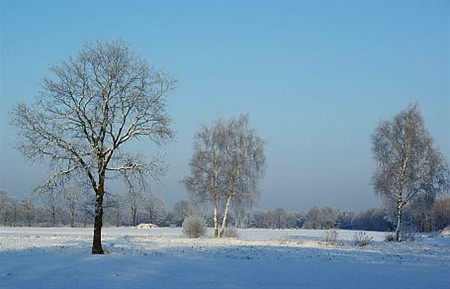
[
  {"x": 390, "y": 237},
  {"x": 405, "y": 235},
  {"x": 362, "y": 239},
  {"x": 408, "y": 234},
  {"x": 331, "y": 236},
  {"x": 230, "y": 233},
  {"x": 284, "y": 238},
  {"x": 194, "y": 227}
]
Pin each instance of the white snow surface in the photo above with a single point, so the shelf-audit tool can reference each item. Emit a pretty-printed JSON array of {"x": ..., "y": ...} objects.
[{"x": 164, "y": 258}]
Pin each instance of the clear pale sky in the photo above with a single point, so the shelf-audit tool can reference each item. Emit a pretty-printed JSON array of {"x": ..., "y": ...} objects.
[{"x": 316, "y": 78}]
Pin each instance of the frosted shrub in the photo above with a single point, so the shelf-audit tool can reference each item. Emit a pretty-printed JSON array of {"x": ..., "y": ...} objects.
[
  {"x": 284, "y": 238},
  {"x": 331, "y": 236},
  {"x": 405, "y": 235},
  {"x": 230, "y": 233},
  {"x": 362, "y": 239},
  {"x": 408, "y": 234},
  {"x": 194, "y": 227},
  {"x": 390, "y": 237}
]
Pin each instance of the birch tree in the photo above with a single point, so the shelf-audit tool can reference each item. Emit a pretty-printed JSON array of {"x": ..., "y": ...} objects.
[
  {"x": 409, "y": 166},
  {"x": 226, "y": 167},
  {"x": 90, "y": 107}
]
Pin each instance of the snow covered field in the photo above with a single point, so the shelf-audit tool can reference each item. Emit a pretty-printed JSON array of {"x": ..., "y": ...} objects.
[{"x": 163, "y": 258}]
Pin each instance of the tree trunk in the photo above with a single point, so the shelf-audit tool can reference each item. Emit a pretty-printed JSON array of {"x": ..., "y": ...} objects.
[
  {"x": 134, "y": 216},
  {"x": 72, "y": 218},
  {"x": 216, "y": 223},
  {"x": 225, "y": 215},
  {"x": 54, "y": 217},
  {"x": 150, "y": 215},
  {"x": 72, "y": 214},
  {"x": 399, "y": 219},
  {"x": 98, "y": 223},
  {"x": 118, "y": 219}
]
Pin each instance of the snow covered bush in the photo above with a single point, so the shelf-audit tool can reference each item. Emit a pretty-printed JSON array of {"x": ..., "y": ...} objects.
[
  {"x": 445, "y": 232},
  {"x": 331, "y": 236},
  {"x": 390, "y": 237},
  {"x": 362, "y": 239},
  {"x": 230, "y": 233},
  {"x": 408, "y": 234},
  {"x": 194, "y": 227},
  {"x": 405, "y": 235}
]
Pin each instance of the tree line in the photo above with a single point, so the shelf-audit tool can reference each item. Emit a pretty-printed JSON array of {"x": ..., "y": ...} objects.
[{"x": 131, "y": 210}]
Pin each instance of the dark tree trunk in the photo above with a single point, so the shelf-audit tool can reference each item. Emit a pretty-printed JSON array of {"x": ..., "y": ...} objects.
[
  {"x": 98, "y": 223},
  {"x": 118, "y": 219},
  {"x": 72, "y": 219},
  {"x": 72, "y": 215}
]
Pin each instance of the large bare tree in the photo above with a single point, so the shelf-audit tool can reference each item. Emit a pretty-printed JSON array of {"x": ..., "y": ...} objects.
[
  {"x": 409, "y": 166},
  {"x": 226, "y": 167},
  {"x": 88, "y": 109}
]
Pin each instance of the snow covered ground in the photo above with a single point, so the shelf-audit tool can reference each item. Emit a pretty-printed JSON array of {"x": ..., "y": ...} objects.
[{"x": 163, "y": 258}]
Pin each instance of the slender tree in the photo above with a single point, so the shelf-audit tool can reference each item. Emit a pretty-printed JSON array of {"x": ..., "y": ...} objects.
[
  {"x": 153, "y": 208},
  {"x": 409, "y": 166},
  {"x": 90, "y": 107},
  {"x": 6, "y": 206},
  {"x": 226, "y": 167},
  {"x": 181, "y": 210}
]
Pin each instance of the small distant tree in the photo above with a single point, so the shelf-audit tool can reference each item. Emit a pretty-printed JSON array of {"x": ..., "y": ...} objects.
[
  {"x": 52, "y": 205},
  {"x": 441, "y": 213},
  {"x": 6, "y": 207},
  {"x": 153, "y": 208},
  {"x": 72, "y": 196},
  {"x": 280, "y": 218},
  {"x": 409, "y": 166},
  {"x": 27, "y": 210},
  {"x": 88, "y": 110},
  {"x": 321, "y": 218},
  {"x": 133, "y": 201},
  {"x": 226, "y": 167},
  {"x": 181, "y": 210}
]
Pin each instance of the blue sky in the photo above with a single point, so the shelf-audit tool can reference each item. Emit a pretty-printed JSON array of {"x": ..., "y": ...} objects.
[{"x": 316, "y": 77}]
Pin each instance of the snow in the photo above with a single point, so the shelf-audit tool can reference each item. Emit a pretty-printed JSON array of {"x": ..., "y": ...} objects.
[
  {"x": 146, "y": 226},
  {"x": 163, "y": 258}
]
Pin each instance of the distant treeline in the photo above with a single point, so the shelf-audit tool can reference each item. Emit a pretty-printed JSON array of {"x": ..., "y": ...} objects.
[{"x": 127, "y": 211}]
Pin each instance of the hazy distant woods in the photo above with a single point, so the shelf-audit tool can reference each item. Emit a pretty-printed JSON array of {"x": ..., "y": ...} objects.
[{"x": 122, "y": 211}]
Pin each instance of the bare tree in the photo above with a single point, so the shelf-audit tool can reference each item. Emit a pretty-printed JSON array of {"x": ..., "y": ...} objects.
[
  {"x": 4, "y": 204},
  {"x": 206, "y": 169},
  {"x": 321, "y": 218},
  {"x": 133, "y": 200},
  {"x": 441, "y": 213},
  {"x": 153, "y": 208},
  {"x": 52, "y": 205},
  {"x": 27, "y": 210},
  {"x": 226, "y": 167},
  {"x": 89, "y": 108},
  {"x": 280, "y": 218},
  {"x": 408, "y": 164},
  {"x": 7, "y": 203},
  {"x": 72, "y": 195},
  {"x": 181, "y": 210}
]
